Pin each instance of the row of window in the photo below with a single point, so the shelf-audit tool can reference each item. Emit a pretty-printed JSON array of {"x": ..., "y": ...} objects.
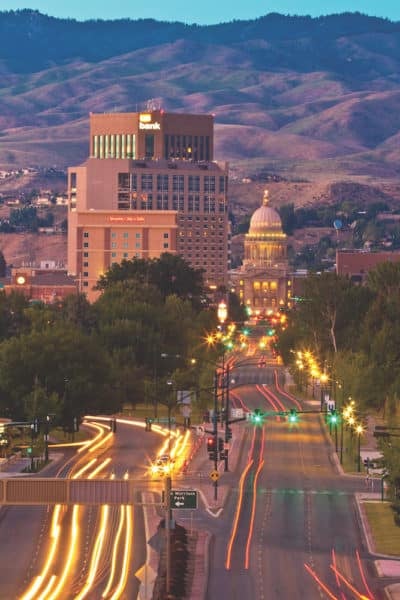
[
  {"x": 120, "y": 145},
  {"x": 145, "y": 201},
  {"x": 176, "y": 183},
  {"x": 191, "y": 147}
]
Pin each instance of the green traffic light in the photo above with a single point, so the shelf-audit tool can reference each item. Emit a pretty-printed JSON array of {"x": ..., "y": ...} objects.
[
  {"x": 333, "y": 418},
  {"x": 293, "y": 416},
  {"x": 257, "y": 416}
]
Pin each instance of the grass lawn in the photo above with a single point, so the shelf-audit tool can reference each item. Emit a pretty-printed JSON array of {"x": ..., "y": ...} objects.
[{"x": 385, "y": 533}]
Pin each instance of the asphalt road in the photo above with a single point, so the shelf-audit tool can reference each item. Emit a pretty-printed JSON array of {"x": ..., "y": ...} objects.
[
  {"x": 305, "y": 519},
  {"x": 24, "y": 531}
]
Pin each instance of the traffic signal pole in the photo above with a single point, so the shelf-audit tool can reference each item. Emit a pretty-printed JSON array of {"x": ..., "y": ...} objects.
[
  {"x": 215, "y": 432},
  {"x": 226, "y": 452}
]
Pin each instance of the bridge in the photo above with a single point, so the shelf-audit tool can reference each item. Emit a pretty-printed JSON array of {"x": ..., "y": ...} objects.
[{"x": 51, "y": 490}]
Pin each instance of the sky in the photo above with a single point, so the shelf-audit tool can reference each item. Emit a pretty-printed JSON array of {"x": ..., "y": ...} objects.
[{"x": 203, "y": 12}]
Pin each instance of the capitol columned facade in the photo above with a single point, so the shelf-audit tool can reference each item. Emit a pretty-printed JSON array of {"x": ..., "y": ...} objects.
[{"x": 262, "y": 282}]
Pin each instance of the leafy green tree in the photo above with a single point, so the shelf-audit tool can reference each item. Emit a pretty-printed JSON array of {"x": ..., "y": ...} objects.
[
  {"x": 63, "y": 359},
  {"x": 170, "y": 273}
]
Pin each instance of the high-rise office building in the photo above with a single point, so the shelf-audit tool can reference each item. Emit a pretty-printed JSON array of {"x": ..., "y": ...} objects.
[{"x": 149, "y": 186}]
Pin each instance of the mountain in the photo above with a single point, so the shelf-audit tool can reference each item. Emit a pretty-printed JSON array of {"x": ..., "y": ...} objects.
[{"x": 300, "y": 96}]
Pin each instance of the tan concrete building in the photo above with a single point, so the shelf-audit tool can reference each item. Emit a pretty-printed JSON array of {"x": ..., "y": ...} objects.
[
  {"x": 154, "y": 169},
  {"x": 262, "y": 282}
]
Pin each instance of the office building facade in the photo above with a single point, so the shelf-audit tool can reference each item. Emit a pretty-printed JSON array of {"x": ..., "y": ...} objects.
[{"x": 151, "y": 177}]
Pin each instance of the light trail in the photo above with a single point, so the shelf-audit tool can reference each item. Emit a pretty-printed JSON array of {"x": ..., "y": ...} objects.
[
  {"x": 74, "y": 537},
  {"x": 337, "y": 578},
  {"x": 252, "y": 517},
  {"x": 254, "y": 502},
  {"x": 349, "y": 585},
  {"x": 364, "y": 580},
  {"x": 268, "y": 398},
  {"x": 284, "y": 393},
  {"x": 96, "y": 553},
  {"x": 274, "y": 396},
  {"x": 126, "y": 554},
  {"x": 320, "y": 583},
  {"x": 236, "y": 519}
]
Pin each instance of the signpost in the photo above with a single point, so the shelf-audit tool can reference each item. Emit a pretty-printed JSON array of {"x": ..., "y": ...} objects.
[{"x": 183, "y": 499}]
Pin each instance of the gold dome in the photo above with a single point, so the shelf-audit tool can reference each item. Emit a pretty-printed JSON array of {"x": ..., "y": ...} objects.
[{"x": 265, "y": 219}]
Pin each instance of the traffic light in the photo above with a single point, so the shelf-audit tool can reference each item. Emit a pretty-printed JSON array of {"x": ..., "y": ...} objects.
[
  {"x": 220, "y": 444},
  {"x": 229, "y": 433},
  {"x": 257, "y": 416},
  {"x": 148, "y": 423},
  {"x": 113, "y": 425},
  {"x": 333, "y": 417},
  {"x": 212, "y": 448},
  {"x": 36, "y": 426},
  {"x": 293, "y": 416}
]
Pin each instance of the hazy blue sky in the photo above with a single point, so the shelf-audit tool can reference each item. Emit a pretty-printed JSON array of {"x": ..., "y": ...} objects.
[{"x": 202, "y": 11}]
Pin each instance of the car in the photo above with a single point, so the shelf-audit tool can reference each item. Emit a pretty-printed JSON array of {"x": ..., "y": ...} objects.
[{"x": 162, "y": 465}]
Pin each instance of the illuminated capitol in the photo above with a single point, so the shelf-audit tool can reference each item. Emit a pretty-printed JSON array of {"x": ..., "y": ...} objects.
[{"x": 262, "y": 282}]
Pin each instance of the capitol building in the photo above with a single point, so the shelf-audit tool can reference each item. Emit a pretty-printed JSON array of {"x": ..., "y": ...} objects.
[{"x": 262, "y": 282}]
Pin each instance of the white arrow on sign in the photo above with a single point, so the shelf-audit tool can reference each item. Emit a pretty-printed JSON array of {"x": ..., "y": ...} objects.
[{"x": 179, "y": 503}]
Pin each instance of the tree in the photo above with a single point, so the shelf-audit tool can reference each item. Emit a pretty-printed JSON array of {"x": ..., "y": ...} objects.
[
  {"x": 170, "y": 274},
  {"x": 60, "y": 357},
  {"x": 3, "y": 265}
]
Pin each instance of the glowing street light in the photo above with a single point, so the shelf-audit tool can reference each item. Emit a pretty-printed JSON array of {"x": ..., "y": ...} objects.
[{"x": 222, "y": 312}]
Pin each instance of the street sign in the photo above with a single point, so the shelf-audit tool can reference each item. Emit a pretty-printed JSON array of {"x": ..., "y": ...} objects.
[
  {"x": 183, "y": 498},
  {"x": 237, "y": 413},
  {"x": 214, "y": 475},
  {"x": 200, "y": 430}
]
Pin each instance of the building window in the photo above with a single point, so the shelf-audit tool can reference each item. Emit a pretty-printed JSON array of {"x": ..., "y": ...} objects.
[
  {"x": 149, "y": 145},
  {"x": 125, "y": 255},
  {"x": 147, "y": 182},
  {"x": 137, "y": 236},
  {"x": 209, "y": 183},
  {"x": 166, "y": 236},
  {"x": 178, "y": 183},
  {"x": 85, "y": 264},
  {"x": 162, "y": 183},
  {"x": 256, "y": 285},
  {"x": 86, "y": 234},
  {"x": 86, "y": 255},
  {"x": 85, "y": 274},
  {"x": 124, "y": 181},
  {"x": 194, "y": 183},
  {"x": 113, "y": 235},
  {"x": 113, "y": 244},
  {"x": 166, "y": 245},
  {"x": 137, "y": 245},
  {"x": 85, "y": 284},
  {"x": 113, "y": 254},
  {"x": 273, "y": 285},
  {"x": 125, "y": 234},
  {"x": 86, "y": 245},
  {"x": 125, "y": 245}
]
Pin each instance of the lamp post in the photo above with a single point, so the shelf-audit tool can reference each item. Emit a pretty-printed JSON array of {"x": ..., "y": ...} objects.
[
  {"x": 359, "y": 430},
  {"x": 46, "y": 438}
]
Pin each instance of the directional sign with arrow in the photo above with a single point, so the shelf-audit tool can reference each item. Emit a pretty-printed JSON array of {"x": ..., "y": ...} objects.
[{"x": 183, "y": 498}]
